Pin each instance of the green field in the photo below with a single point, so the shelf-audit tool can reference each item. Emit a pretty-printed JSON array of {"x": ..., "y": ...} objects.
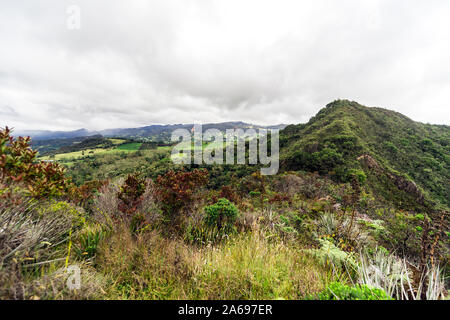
[
  {"x": 120, "y": 148},
  {"x": 132, "y": 146}
]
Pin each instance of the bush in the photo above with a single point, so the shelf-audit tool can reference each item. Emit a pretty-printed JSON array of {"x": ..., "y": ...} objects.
[
  {"x": 329, "y": 254},
  {"x": 130, "y": 194},
  {"x": 18, "y": 165},
  {"x": 84, "y": 194},
  {"x": 222, "y": 214},
  {"x": 339, "y": 291},
  {"x": 229, "y": 193},
  {"x": 358, "y": 174},
  {"x": 177, "y": 190}
]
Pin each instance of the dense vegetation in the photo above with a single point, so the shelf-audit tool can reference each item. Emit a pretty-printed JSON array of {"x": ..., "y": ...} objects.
[
  {"x": 53, "y": 145},
  {"x": 390, "y": 150},
  {"x": 341, "y": 220}
]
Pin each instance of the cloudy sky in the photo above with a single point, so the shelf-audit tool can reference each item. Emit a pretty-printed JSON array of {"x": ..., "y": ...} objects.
[{"x": 140, "y": 62}]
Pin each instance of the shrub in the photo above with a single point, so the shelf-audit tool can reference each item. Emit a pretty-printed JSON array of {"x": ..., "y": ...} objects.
[
  {"x": 18, "y": 165},
  {"x": 339, "y": 291},
  {"x": 400, "y": 233},
  {"x": 177, "y": 190},
  {"x": 341, "y": 231},
  {"x": 254, "y": 182},
  {"x": 329, "y": 254},
  {"x": 222, "y": 214},
  {"x": 289, "y": 184},
  {"x": 291, "y": 222},
  {"x": 130, "y": 194},
  {"x": 254, "y": 194},
  {"x": 227, "y": 192},
  {"x": 359, "y": 174},
  {"x": 84, "y": 194},
  {"x": 280, "y": 198}
]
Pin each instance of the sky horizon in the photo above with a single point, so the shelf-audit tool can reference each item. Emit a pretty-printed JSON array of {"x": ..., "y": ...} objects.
[
  {"x": 18, "y": 130},
  {"x": 101, "y": 64}
]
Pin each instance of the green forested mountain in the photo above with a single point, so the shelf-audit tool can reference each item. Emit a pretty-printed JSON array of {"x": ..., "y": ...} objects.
[{"x": 401, "y": 160}]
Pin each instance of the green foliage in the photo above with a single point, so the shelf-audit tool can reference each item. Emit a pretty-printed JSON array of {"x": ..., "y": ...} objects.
[
  {"x": 339, "y": 291},
  {"x": 359, "y": 174},
  {"x": 333, "y": 140},
  {"x": 329, "y": 254},
  {"x": 254, "y": 194},
  {"x": 401, "y": 232},
  {"x": 222, "y": 214},
  {"x": 88, "y": 243},
  {"x": 364, "y": 197},
  {"x": 322, "y": 161},
  {"x": 99, "y": 166},
  {"x": 67, "y": 209}
]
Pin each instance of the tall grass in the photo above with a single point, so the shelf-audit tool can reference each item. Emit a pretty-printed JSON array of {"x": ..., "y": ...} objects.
[{"x": 247, "y": 266}]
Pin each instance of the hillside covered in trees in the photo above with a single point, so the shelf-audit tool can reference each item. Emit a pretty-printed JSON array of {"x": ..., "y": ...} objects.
[{"x": 404, "y": 161}]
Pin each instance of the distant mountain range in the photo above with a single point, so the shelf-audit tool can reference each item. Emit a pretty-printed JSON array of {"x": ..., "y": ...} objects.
[{"x": 151, "y": 133}]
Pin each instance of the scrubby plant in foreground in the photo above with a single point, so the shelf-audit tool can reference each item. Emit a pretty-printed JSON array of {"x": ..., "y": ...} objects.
[
  {"x": 339, "y": 291},
  {"x": 399, "y": 279},
  {"x": 32, "y": 235},
  {"x": 88, "y": 242},
  {"x": 222, "y": 214},
  {"x": 18, "y": 165}
]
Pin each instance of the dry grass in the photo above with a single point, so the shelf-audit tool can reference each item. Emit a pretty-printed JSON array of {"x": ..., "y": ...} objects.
[
  {"x": 146, "y": 266},
  {"x": 53, "y": 285},
  {"x": 248, "y": 266},
  {"x": 252, "y": 266},
  {"x": 30, "y": 232}
]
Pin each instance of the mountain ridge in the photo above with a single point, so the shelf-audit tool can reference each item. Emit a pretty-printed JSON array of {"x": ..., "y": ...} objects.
[
  {"x": 154, "y": 132},
  {"x": 408, "y": 152}
]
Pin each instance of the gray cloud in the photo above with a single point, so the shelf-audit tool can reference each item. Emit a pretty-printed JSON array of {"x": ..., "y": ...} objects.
[{"x": 143, "y": 62}]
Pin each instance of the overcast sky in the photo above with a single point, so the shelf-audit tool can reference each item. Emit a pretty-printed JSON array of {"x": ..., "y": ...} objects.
[{"x": 142, "y": 62}]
